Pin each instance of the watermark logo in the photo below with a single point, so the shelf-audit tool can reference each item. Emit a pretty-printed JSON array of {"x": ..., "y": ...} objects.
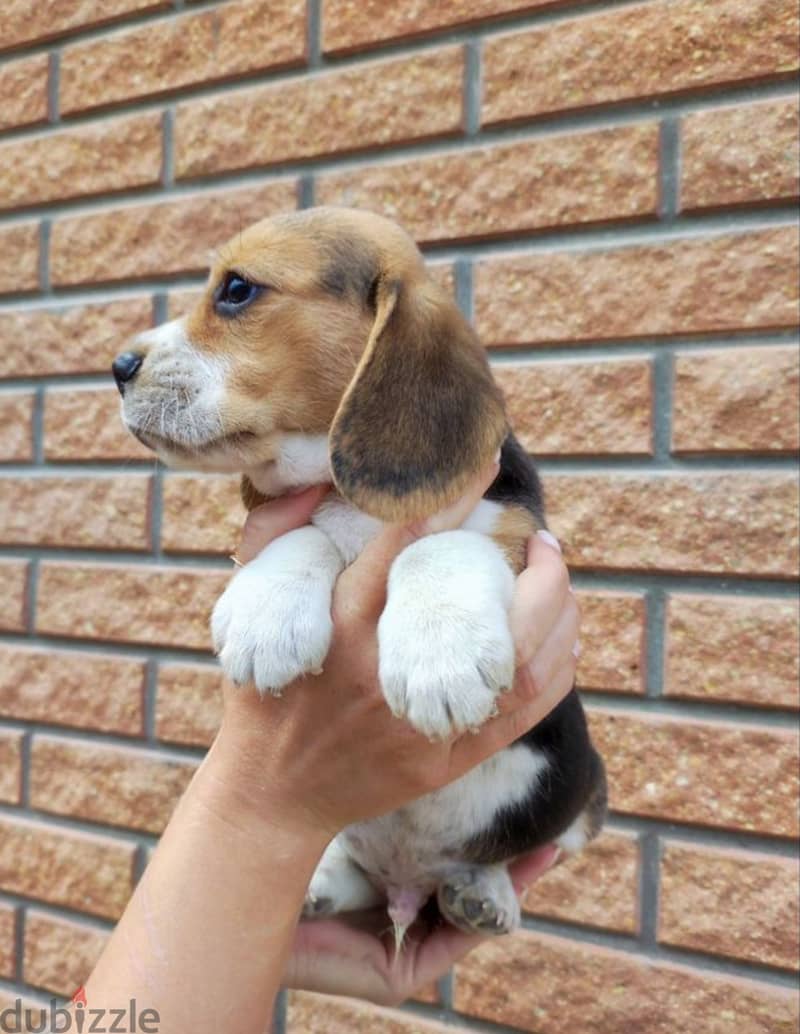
[{"x": 79, "y": 1018}]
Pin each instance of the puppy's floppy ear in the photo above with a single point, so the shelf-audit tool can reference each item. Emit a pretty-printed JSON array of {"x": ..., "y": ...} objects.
[{"x": 422, "y": 414}]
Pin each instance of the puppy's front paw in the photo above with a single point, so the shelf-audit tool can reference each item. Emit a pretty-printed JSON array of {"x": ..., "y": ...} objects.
[
  {"x": 445, "y": 647},
  {"x": 270, "y": 631}
]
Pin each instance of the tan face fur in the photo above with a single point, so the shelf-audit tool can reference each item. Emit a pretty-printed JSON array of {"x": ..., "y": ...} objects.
[{"x": 345, "y": 336}]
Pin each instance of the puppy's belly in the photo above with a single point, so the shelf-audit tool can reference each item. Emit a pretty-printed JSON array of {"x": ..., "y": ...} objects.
[{"x": 413, "y": 848}]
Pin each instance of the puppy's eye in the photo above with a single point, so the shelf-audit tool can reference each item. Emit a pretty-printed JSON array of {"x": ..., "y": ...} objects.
[{"x": 234, "y": 294}]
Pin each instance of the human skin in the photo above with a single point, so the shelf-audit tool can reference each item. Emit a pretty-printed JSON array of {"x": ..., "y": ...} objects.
[{"x": 212, "y": 930}]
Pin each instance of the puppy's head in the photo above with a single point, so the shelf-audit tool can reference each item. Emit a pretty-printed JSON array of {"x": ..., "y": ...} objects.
[{"x": 321, "y": 322}]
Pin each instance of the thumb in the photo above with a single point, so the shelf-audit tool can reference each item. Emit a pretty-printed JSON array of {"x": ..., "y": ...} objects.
[
  {"x": 365, "y": 580},
  {"x": 273, "y": 519}
]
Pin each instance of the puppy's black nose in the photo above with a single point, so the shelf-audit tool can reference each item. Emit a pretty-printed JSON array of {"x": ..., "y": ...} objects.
[{"x": 124, "y": 368}]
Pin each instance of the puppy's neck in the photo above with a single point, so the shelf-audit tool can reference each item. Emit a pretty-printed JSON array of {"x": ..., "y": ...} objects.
[{"x": 301, "y": 460}]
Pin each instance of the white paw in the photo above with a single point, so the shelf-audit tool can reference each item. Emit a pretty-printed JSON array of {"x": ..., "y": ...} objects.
[
  {"x": 273, "y": 623},
  {"x": 338, "y": 885},
  {"x": 445, "y": 648}
]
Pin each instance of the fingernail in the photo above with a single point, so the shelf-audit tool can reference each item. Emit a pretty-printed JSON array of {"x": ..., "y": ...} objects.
[
  {"x": 576, "y": 649},
  {"x": 551, "y": 540}
]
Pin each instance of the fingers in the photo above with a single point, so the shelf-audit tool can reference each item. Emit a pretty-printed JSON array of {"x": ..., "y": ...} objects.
[
  {"x": 539, "y": 596},
  {"x": 526, "y": 870},
  {"x": 273, "y": 519},
  {"x": 364, "y": 582}
]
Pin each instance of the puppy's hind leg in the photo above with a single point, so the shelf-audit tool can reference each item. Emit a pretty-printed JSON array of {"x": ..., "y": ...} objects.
[
  {"x": 479, "y": 899},
  {"x": 339, "y": 885}
]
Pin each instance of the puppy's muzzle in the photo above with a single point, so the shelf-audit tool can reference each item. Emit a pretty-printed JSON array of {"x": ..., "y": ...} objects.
[{"x": 125, "y": 367}]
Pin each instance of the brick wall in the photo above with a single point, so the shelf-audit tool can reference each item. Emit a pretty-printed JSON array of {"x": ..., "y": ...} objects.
[{"x": 609, "y": 189}]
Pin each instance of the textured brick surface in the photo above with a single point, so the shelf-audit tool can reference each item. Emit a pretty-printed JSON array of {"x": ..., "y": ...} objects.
[
  {"x": 188, "y": 703},
  {"x": 350, "y": 24},
  {"x": 78, "y": 339},
  {"x": 85, "y": 424},
  {"x": 201, "y": 514},
  {"x": 106, "y": 512},
  {"x": 78, "y": 870},
  {"x": 371, "y": 105},
  {"x": 13, "y": 594},
  {"x": 724, "y": 404},
  {"x": 7, "y": 946},
  {"x": 598, "y": 887},
  {"x": 159, "y": 605},
  {"x": 747, "y": 280},
  {"x": 581, "y": 178},
  {"x": 729, "y": 648},
  {"x": 644, "y": 50},
  {"x": 23, "y": 87},
  {"x": 557, "y": 984},
  {"x": 59, "y": 953},
  {"x": 744, "y": 154},
  {"x": 21, "y": 21},
  {"x": 86, "y": 690},
  {"x": 10, "y": 766},
  {"x": 19, "y": 258},
  {"x": 96, "y": 159},
  {"x": 160, "y": 239},
  {"x": 114, "y": 785},
  {"x": 612, "y": 641},
  {"x": 16, "y": 425},
  {"x": 580, "y": 408},
  {"x": 234, "y": 39},
  {"x": 736, "y": 903},
  {"x": 724, "y": 523},
  {"x": 692, "y": 771},
  {"x": 321, "y": 1014}
]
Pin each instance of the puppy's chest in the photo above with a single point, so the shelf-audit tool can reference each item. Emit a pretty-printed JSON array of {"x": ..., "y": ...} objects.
[{"x": 415, "y": 846}]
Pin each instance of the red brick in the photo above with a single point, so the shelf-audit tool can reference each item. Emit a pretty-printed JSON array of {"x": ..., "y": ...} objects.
[
  {"x": 60, "y": 954},
  {"x": 80, "y": 339},
  {"x": 78, "y": 870},
  {"x": 160, "y": 239},
  {"x": 371, "y": 105},
  {"x": 19, "y": 258},
  {"x": 741, "y": 155},
  {"x": 643, "y": 50},
  {"x": 527, "y": 185},
  {"x": 13, "y": 595},
  {"x": 735, "y": 401},
  {"x": 8, "y": 952},
  {"x": 202, "y": 514},
  {"x": 725, "y": 775},
  {"x": 133, "y": 604},
  {"x": 547, "y": 985},
  {"x": 10, "y": 767},
  {"x": 23, "y": 22},
  {"x": 189, "y": 703},
  {"x": 740, "y": 904},
  {"x": 612, "y": 642},
  {"x": 118, "y": 786},
  {"x": 66, "y": 687},
  {"x": 349, "y": 24},
  {"x": 23, "y": 87},
  {"x": 733, "y": 649},
  {"x": 580, "y": 408},
  {"x": 689, "y": 286},
  {"x": 97, "y": 159},
  {"x": 321, "y": 1014},
  {"x": 240, "y": 37},
  {"x": 598, "y": 887},
  {"x": 103, "y": 512},
  {"x": 85, "y": 424},
  {"x": 16, "y": 426},
  {"x": 716, "y": 523}
]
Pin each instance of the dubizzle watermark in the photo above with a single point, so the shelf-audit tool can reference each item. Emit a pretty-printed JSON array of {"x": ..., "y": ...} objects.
[{"x": 78, "y": 1018}]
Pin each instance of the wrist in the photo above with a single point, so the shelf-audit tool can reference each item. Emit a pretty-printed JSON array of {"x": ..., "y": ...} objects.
[{"x": 235, "y": 781}]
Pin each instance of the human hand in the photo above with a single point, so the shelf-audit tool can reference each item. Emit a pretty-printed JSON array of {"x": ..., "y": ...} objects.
[
  {"x": 355, "y": 956},
  {"x": 289, "y": 751}
]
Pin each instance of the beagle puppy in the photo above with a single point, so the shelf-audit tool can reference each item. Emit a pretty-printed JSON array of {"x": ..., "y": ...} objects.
[{"x": 322, "y": 351}]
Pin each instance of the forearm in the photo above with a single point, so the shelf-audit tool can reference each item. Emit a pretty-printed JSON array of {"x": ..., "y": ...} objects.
[{"x": 205, "y": 937}]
